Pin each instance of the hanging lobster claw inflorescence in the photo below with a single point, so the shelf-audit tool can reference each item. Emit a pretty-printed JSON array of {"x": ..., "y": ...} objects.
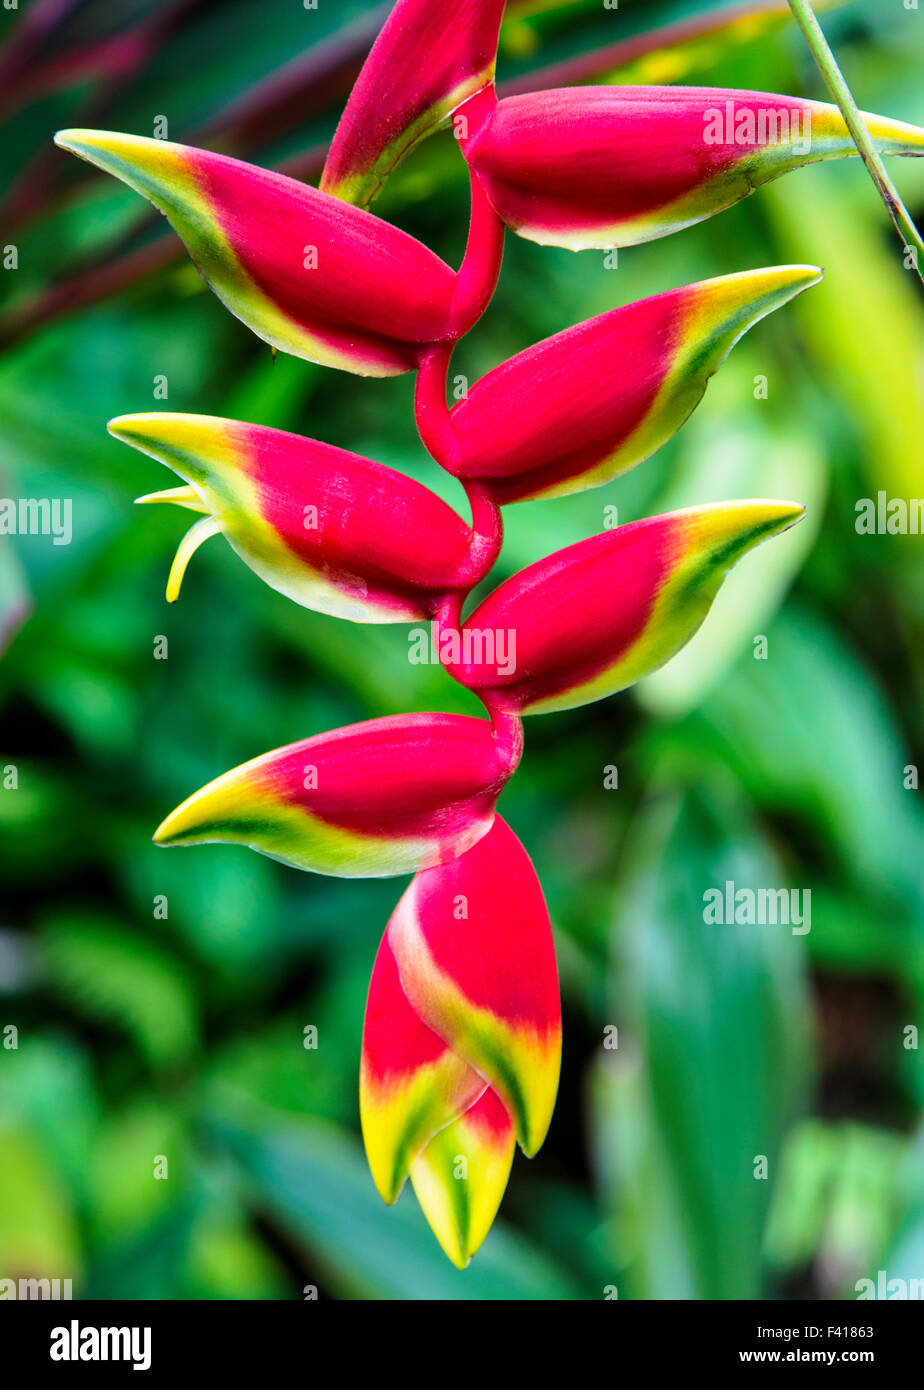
[{"x": 462, "y": 1035}]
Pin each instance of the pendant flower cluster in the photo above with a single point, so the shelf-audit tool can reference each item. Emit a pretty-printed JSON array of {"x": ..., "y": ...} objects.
[{"x": 462, "y": 1037}]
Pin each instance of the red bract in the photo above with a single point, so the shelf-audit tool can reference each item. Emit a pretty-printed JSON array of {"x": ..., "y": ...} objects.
[
  {"x": 588, "y": 404},
  {"x": 307, "y": 272},
  {"x": 384, "y": 797},
  {"x": 612, "y": 166},
  {"x": 598, "y": 616},
  {"x": 463, "y": 1014},
  {"x": 330, "y": 529},
  {"x": 427, "y": 60}
]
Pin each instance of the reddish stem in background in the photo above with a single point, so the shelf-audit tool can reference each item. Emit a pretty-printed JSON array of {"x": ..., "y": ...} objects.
[
  {"x": 36, "y": 24},
  {"x": 114, "y": 61},
  {"x": 602, "y": 62}
]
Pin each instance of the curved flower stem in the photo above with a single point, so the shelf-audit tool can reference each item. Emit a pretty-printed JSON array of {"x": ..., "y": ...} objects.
[
  {"x": 476, "y": 281},
  {"x": 477, "y": 276},
  {"x": 430, "y": 409},
  {"x": 434, "y": 423},
  {"x": 837, "y": 86},
  {"x": 448, "y": 613},
  {"x": 508, "y": 734},
  {"x": 507, "y": 727},
  {"x": 487, "y": 537},
  {"x": 487, "y": 534}
]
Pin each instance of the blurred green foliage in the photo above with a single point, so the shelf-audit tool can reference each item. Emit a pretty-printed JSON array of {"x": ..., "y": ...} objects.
[{"x": 143, "y": 1036}]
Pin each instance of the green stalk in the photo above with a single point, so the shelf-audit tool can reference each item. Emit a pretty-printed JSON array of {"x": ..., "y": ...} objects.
[{"x": 837, "y": 86}]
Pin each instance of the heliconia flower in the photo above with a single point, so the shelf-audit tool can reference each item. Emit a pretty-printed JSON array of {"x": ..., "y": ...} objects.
[
  {"x": 465, "y": 975},
  {"x": 307, "y": 272},
  {"x": 474, "y": 952},
  {"x": 330, "y": 529},
  {"x": 598, "y": 616},
  {"x": 427, "y": 60},
  {"x": 387, "y": 796},
  {"x": 592, "y": 402},
  {"x": 612, "y": 166}
]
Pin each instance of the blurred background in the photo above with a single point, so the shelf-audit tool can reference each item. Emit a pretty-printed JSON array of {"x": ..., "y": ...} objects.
[{"x": 154, "y": 1005}]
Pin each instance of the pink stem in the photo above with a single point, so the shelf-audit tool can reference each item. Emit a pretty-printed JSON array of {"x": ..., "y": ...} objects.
[
  {"x": 448, "y": 614},
  {"x": 508, "y": 734},
  {"x": 434, "y": 422},
  {"x": 478, "y": 274},
  {"x": 487, "y": 535},
  {"x": 507, "y": 727},
  {"x": 430, "y": 409}
]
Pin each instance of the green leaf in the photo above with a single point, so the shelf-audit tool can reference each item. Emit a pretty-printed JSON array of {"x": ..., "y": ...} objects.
[
  {"x": 809, "y": 731},
  {"x": 109, "y": 972},
  {"x": 714, "y": 1025},
  {"x": 38, "y": 1230},
  {"x": 14, "y": 595},
  {"x": 833, "y": 1202}
]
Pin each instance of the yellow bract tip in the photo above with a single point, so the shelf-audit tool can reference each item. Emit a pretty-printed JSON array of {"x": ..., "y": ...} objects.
[
  {"x": 102, "y": 147},
  {"x": 734, "y": 303},
  {"x": 232, "y": 798},
  {"x": 730, "y": 529},
  {"x": 894, "y": 137}
]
